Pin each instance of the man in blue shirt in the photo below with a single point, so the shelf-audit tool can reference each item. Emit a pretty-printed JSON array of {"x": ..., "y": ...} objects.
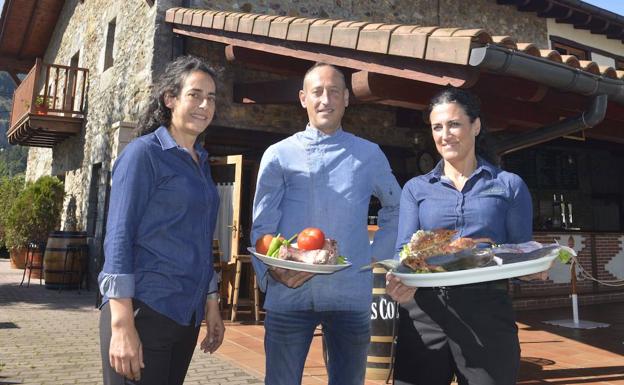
[{"x": 323, "y": 177}]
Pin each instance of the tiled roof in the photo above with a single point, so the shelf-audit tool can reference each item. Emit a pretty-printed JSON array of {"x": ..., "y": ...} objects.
[{"x": 450, "y": 45}]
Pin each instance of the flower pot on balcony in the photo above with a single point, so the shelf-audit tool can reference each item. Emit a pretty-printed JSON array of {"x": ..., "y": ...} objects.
[{"x": 18, "y": 258}]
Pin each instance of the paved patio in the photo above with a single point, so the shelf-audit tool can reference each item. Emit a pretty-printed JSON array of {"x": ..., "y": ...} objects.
[{"x": 51, "y": 337}]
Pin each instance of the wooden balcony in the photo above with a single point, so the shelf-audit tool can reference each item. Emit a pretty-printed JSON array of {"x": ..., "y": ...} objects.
[{"x": 48, "y": 105}]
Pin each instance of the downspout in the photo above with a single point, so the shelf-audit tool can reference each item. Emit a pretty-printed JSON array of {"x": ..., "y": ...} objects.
[{"x": 589, "y": 118}]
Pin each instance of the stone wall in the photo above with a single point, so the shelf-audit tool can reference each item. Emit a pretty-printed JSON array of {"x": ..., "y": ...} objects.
[
  {"x": 117, "y": 94},
  {"x": 485, "y": 14}
]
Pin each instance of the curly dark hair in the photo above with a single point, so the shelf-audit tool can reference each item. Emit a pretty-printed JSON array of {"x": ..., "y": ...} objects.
[
  {"x": 471, "y": 104},
  {"x": 156, "y": 113}
]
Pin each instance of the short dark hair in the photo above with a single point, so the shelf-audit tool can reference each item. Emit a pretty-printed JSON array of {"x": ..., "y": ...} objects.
[
  {"x": 156, "y": 113},
  {"x": 323, "y": 64},
  {"x": 471, "y": 104}
]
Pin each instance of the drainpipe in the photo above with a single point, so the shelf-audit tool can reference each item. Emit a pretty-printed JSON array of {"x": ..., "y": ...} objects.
[{"x": 589, "y": 118}]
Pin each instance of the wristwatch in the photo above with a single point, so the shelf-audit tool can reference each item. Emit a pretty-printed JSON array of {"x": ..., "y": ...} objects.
[{"x": 213, "y": 295}]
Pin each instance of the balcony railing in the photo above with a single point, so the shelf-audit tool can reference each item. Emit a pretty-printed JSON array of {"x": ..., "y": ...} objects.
[{"x": 48, "y": 105}]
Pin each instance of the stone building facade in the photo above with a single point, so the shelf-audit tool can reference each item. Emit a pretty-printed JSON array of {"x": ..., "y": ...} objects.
[{"x": 143, "y": 43}]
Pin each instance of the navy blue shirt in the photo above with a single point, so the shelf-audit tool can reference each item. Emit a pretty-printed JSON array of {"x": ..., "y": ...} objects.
[
  {"x": 161, "y": 221},
  {"x": 493, "y": 203}
]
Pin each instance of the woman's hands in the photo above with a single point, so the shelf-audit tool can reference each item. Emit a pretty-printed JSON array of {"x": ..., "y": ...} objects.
[
  {"x": 125, "y": 352},
  {"x": 397, "y": 290},
  {"x": 214, "y": 326}
]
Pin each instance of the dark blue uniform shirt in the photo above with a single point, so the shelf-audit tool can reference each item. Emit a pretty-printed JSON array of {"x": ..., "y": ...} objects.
[{"x": 162, "y": 214}]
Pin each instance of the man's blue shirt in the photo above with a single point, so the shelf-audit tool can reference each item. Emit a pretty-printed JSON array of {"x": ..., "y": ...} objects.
[
  {"x": 316, "y": 180},
  {"x": 161, "y": 219},
  {"x": 493, "y": 203}
]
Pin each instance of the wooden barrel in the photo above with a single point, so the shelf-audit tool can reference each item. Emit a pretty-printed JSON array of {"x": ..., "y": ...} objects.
[
  {"x": 384, "y": 312},
  {"x": 56, "y": 271}
]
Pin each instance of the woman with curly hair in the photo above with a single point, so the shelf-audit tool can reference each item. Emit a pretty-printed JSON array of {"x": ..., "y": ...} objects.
[{"x": 158, "y": 282}]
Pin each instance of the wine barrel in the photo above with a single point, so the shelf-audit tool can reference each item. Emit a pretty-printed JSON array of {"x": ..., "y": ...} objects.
[
  {"x": 384, "y": 312},
  {"x": 57, "y": 272}
]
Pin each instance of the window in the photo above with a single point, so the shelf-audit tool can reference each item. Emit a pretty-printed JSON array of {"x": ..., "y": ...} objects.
[
  {"x": 619, "y": 64},
  {"x": 94, "y": 192},
  {"x": 568, "y": 50},
  {"x": 110, "y": 43}
]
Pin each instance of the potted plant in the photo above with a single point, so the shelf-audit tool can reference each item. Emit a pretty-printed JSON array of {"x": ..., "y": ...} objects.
[
  {"x": 10, "y": 188},
  {"x": 41, "y": 105},
  {"x": 35, "y": 212}
]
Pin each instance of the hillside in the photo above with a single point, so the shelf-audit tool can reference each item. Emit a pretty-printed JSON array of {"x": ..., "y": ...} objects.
[{"x": 12, "y": 158}]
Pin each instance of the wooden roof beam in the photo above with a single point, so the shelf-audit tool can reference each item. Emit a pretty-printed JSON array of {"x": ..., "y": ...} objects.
[
  {"x": 268, "y": 92},
  {"x": 16, "y": 65},
  {"x": 267, "y": 62},
  {"x": 408, "y": 68}
]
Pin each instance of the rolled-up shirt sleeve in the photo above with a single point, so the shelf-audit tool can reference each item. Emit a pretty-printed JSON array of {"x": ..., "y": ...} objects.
[
  {"x": 133, "y": 179},
  {"x": 266, "y": 208},
  {"x": 387, "y": 190},
  {"x": 213, "y": 286}
]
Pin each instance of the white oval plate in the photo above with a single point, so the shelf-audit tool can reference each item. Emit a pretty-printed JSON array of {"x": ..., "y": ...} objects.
[
  {"x": 299, "y": 266},
  {"x": 480, "y": 274}
]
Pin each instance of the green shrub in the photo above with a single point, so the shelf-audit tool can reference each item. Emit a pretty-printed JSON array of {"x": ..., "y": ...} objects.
[
  {"x": 10, "y": 188},
  {"x": 35, "y": 212}
]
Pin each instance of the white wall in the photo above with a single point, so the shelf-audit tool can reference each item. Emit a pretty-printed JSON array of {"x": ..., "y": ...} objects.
[{"x": 584, "y": 37}]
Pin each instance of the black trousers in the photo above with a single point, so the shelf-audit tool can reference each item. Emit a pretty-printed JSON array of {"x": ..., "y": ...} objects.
[
  {"x": 167, "y": 347},
  {"x": 468, "y": 331}
]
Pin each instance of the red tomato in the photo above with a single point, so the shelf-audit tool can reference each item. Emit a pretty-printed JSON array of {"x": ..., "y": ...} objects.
[
  {"x": 262, "y": 244},
  {"x": 311, "y": 239}
]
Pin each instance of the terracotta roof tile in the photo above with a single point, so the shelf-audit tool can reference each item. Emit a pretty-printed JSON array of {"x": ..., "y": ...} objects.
[
  {"x": 450, "y": 45},
  {"x": 219, "y": 20},
  {"x": 571, "y": 61},
  {"x": 346, "y": 34},
  {"x": 197, "y": 18},
  {"x": 551, "y": 55},
  {"x": 590, "y": 66},
  {"x": 279, "y": 27},
  {"x": 529, "y": 49},
  {"x": 321, "y": 31},
  {"x": 449, "y": 49},
  {"x": 409, "y": 41},
  {"x": 505, "y": 41},
  {"x": 478, "y": 35},
  {"x": 231, "y": 21},
  {"x": 188, "y": 17},
  {"x": 376, "y": 37},
  {"x": 608, "y": 72},
  {"x": 170, "y": 15},
  {"x": 262, "y": 25},
  {"x": 299, "y": 28},
  {"x": 179, "y": 15},
  {"x": 246, "y": 23}
]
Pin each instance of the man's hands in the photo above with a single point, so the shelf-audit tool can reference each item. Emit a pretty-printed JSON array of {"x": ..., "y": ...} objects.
[
  {"x": 290, "y": 278},
  {"x": 214, "y": 326},
  {"x": 125, "y": 352},
  {"x": 397, "y": 290}
]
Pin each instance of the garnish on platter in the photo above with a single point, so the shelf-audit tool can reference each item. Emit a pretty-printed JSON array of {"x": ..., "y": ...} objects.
[
  {"x": 437, "y": 252},
  {"x": 312, "y": 250}
]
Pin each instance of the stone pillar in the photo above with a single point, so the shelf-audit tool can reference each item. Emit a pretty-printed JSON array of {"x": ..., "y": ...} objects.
[{"x": 122, "y": 133}]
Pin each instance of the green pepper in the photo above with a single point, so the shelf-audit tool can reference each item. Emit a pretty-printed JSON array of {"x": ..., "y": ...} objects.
[{"x": 274, "y": 246}]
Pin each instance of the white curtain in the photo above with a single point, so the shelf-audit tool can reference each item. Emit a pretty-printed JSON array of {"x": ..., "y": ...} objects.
[{"x": 224, "y": 219}]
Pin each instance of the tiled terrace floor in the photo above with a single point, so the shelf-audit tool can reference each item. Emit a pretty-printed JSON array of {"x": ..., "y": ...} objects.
[
  {"x": 47, "y": 337},
  {"x": 550, "y": 354}
]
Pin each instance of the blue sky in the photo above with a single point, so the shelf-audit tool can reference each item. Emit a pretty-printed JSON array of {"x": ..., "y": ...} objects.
[{"x": 616, "y": 6}]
